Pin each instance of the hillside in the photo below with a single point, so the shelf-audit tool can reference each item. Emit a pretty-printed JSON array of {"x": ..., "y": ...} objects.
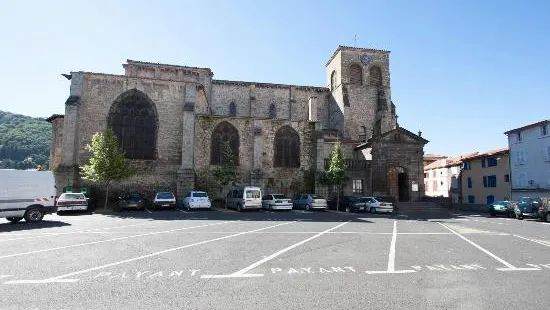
[{"x": 24, "y": 141}]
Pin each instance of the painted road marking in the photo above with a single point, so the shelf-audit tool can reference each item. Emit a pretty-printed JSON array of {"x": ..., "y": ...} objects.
[
  {"x": 61, "y": 278},
  {"x": 3, "y": 276},
  {"x": 148, "y": 210},
  {"x": 243, "y": 272},
  {"x": 541, "y": 242},
  {"x": 107, "y": 240},
  {"x": 509, "y": 267},
  {"x": 46, "y": 234},
  {"x": 391, "y": 256},
  {"x": 448, "y": 267}
]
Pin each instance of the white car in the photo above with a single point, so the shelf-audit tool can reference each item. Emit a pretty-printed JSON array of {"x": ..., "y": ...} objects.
[
  {"x": 164, "y": 200},
  {"x": 71, "y": 202},
  {"x": 196, "y": 200},
  {"x": 376, "y": 204},
  {"x": 276, "y": 202}
]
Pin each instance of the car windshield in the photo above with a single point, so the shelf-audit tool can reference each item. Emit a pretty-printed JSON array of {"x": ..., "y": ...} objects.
[
  {"x": 133, "y": 197},
  {"x": 279, "y": 196},
  {"x": 500, "y": 203},
  {"x": 72, "y": 196},
  {"x": 252, "y": 193},
  {"x": 165, "y": 196},
  {"x": 316, "y": 197},
  {"x": 200, "y": 194}
]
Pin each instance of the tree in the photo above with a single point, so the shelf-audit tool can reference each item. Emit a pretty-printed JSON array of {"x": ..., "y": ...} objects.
[
  {"x": 226, "y": 173},
  {"x": 337, "y": 171},
  {"x": 108, "y": 163}
]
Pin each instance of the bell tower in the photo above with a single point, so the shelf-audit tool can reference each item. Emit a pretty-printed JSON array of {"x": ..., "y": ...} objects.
[{"x": 360, "y": 100}]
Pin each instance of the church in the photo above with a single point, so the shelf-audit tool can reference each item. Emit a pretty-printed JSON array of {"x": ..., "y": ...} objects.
[{"x": 171, "y": 121}]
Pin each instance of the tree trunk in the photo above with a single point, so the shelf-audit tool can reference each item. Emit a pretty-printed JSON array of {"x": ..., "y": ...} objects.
[
  {"x": 338, "y": 198},
  {"x": 106, "y": 196}
]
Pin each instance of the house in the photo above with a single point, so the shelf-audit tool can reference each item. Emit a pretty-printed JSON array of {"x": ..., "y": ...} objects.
[
  {"x": 530, "y": 160},
  {"x": 442, "y": 177},
  {"x": 430, "y": 158},
  {"x": 485, "y": 177}
]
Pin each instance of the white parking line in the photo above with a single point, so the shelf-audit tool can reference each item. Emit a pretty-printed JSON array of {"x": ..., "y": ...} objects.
[
  {"x": 541, "y": 242},
  {"x": 108, "y": 240},
  {"x": 148, "y": 210},
  {"x": 243, "y": 272},
  {"x": 391, "y": 257},
  {"x": 509, "y": 267},
  {"x": 61, "y": 278}
]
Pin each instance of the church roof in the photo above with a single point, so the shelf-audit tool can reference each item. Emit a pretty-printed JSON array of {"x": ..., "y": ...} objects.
[
  {"x": 398, "y": 129},
  {"x": 358, "y": 49},
  {"x": 53, "y": 117},
  {"x": 156, "y": 64},
  {"x": 271, "y": 85}
]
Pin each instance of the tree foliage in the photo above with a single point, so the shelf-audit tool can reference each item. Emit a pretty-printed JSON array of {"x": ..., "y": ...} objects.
[
  {"x": 24, "y": 141},
  {"x": 108, "y": 163},
  {"x": 226, "y": 173},
  {"x": 337, "y": 171}
]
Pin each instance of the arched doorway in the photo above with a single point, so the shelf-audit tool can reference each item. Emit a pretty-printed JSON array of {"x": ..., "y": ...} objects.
[{"x": 398, "y": 183}]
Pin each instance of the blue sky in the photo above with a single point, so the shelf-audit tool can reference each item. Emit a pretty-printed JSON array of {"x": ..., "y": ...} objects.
[{"x": 463, "y": 72}]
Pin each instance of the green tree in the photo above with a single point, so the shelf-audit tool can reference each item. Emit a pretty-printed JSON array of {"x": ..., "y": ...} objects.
[
  {"x": 226, "y": 173},
  {"x": 108, "y": 163},
  {"x": 337, "y": 171}
]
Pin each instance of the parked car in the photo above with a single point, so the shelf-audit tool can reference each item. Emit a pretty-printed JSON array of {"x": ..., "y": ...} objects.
[
  {"x": 544, "y": 210},
  {"x": 347, "y": 203},
  {"x": 131, "y": 201},
  {"x": 527, "y": 207},
  {"x": 378, "y": 204},
  {"x": 276, "y": 202},
  {"x": 164, "y": 200},
  {"x": 196, "y": 200},
  {"x": 248, "y": 197},
  {"x": 502, "y": 207},
  {"x": 71, "y": 202},
  {"x": 309, "y": 202}
]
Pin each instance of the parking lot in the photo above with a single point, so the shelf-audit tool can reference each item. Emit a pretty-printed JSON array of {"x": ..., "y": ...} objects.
[{"x": 275, "y": 260}]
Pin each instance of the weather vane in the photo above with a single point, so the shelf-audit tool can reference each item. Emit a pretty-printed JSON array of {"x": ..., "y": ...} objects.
[{"x": 355, "y": 40}]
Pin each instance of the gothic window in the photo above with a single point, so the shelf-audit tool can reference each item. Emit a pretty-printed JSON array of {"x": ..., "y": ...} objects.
[
  {"x": 287, "y": 148},
  {"x": 333, "y": 80},
  {"x": 232, "y": 109},
  {"x": 272, "y": 112},
  {"x": 375, "y": 76},
  {"x": 223, "y": 132},
  {"x": 355, "y": 75},
  {"x": 134, "y": 121}
]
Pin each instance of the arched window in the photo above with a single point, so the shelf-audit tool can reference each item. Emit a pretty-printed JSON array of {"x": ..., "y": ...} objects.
[
  {"x": 272, "y": 112},
  {"x": 223, "y": 132},
  {"x": 333, "y": 80},
  {"x": 375, "y": 76},
  {"x": 287, "y": 148},
  {"x": 355, "y": 75},
  {"x": 133, "y": 119},
  {"x": 232, "y": 109}
]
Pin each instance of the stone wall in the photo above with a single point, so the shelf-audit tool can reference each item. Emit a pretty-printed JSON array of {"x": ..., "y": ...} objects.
[
  {"x": 256, "y": 150},
  {"x": 56, "y": 147}
]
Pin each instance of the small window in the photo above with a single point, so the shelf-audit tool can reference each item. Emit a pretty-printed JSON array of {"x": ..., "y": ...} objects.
[
  {"x": 469, "y": 182},
  {"x": 519, "y": 136},
  {"x": 544, "y": 130},
  {"x": 441, "y": 183},
  {"x": 490, "y": 199},
  {"x": 507, "y": 178},
  {"x": 272, "y": 112},
  {"x": 491, "y": 162},
  {"x": 333, "y": 80},
  {"x": 200, "y": 194},
  {"x": 492, "y": 181},
  {"x": 483, "y": 163},
  {"x": 471, "y": 199},
  {"x": 232, "y": 109},
  {"x": 357, "y": 186},
  {"x": 484, "y": 181},
  {"x": 547, "y": 152},
  {"x": 435, "y": 186}
]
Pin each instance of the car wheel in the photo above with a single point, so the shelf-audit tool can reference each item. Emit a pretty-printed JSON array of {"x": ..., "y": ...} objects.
[
  {"x": 239, "y": 208},
  {"x": 493, "y": 213},
  {"x": 34, "y": 215},
  {"x": 14, "y": 219},
  {"x": 372, "y": 210},
  {"x": 348, "y": 209},
  {"x": 270, "y": 208},
  {"x": 307, "y": 207},
  {"x": 547, "y": 217},
  {"x": 519, "y": 216}
]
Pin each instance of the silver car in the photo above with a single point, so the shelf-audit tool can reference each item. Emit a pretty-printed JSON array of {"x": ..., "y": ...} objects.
[
  {"x": 276, "y": 202},
  {"x": 310, "y": 202},
  {"x": 375, "y": 204}
]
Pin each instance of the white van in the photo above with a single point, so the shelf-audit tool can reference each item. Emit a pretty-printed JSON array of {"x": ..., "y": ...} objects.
[
  {"x": 248, "y": 197},
  {"x": 28, "y": 194}
]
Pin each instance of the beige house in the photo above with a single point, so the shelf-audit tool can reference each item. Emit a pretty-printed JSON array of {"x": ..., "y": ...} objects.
[{"x": 485, "y": 177}]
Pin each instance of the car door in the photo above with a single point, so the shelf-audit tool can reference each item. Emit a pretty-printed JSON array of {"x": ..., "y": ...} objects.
[{"x": 265, "y": 202}]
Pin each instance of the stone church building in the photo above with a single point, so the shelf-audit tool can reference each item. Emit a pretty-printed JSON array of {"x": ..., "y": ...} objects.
[{"x": 171, "y": 121}]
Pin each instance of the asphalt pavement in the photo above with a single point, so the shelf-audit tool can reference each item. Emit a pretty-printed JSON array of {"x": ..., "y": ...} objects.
[{"x": 275, "y": 260}]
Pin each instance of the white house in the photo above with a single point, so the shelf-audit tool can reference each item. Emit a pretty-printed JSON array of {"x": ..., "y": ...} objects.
[{"x": 530, "y": 160}]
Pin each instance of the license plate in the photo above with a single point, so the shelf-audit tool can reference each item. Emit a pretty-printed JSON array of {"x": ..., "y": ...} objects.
[
  {"x": 132, "y": 205},
  {"x": 166, "y": 205}
]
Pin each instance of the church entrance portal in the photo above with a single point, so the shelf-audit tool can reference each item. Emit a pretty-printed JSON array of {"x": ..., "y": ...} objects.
[{"x": 398, "y": 183}]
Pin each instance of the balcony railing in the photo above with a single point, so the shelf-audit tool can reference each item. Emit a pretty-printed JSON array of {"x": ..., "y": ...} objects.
[{"x": 351, "y": 164}]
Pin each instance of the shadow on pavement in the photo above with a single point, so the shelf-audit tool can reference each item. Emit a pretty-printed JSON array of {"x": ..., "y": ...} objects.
[{"x": 24, "y": 226}]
